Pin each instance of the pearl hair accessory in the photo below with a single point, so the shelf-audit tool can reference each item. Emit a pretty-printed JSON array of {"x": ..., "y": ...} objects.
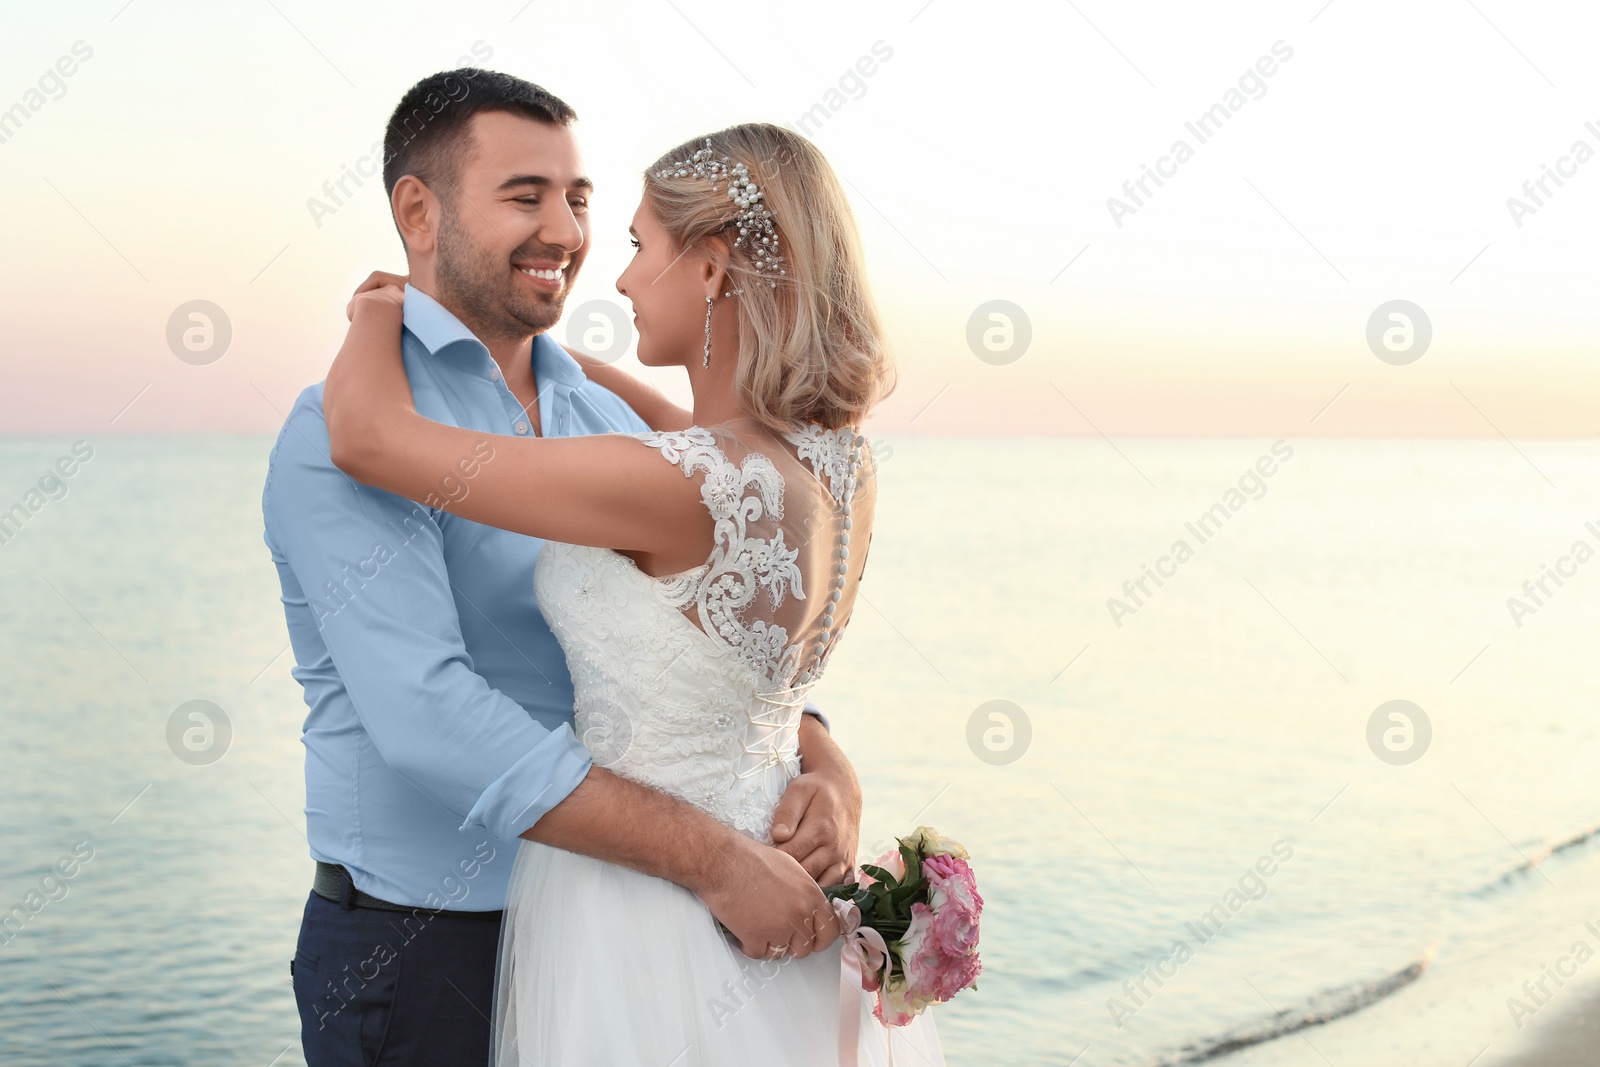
[{"x": 757, "y": 232}]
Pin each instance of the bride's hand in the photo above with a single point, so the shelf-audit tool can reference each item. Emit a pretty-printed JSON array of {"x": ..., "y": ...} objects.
[
  {"x": 366, "y": 394},
  {"x": 382, "y": 286}
]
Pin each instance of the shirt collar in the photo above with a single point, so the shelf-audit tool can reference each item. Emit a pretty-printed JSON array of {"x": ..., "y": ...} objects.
[
  {"x": 433, "y": 324},
  {"x": 552, "y": 363},
  {"x": 439, "y": 330}
]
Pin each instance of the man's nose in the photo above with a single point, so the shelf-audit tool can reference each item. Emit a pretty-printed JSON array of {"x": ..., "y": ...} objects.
[{"x": 561, "y": 229}]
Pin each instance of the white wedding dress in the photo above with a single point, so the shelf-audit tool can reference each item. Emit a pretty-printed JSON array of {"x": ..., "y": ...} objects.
[{"x": 694, "y": 685}]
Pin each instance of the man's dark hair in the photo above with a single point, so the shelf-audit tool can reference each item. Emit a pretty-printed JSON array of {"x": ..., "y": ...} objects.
[{"x": 429, "y": 134}]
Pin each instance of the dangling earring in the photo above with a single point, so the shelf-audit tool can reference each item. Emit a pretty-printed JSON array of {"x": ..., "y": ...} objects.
[{"x": 706, "y": 362}]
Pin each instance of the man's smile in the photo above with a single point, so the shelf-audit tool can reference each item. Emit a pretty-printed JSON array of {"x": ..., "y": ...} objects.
[{"x": 545, "y": 278}]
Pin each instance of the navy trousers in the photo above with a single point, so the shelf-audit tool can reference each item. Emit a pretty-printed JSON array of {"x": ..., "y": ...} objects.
[{"x": 393, "y": 988}]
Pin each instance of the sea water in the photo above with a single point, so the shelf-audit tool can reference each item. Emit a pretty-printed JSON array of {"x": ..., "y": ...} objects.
[{"x": 1142, "y": 681}]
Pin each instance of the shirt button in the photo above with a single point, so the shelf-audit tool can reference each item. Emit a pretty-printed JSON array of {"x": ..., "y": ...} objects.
[
  {"x": 494, "y": 372},
  {"x": 522, "y": 427}
]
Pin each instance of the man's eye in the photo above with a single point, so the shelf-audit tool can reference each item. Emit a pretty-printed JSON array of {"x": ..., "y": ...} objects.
[
  {"x": 531, "y": 201},
  {"x": 580, "y": 205}
]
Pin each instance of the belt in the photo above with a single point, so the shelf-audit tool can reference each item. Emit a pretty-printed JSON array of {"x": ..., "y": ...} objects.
[{"x": 333, "y": 882}]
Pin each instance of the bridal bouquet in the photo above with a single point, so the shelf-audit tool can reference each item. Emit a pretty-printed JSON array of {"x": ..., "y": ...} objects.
[{"x": 911, "y": 920}]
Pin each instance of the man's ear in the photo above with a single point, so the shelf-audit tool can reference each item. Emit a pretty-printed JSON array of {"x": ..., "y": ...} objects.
[
  {"x": 714, "y": 268},
  {"x": 417, "y": 212}
]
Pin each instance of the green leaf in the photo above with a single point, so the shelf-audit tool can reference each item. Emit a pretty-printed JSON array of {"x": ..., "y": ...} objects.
[
  {"x": 909, "y": 893},
  {"x": 859, "y": 895},
  {"x": 856, "y": 895},
  {"x": 913, "y": 863},
  {"x": 881, "y": 875}
]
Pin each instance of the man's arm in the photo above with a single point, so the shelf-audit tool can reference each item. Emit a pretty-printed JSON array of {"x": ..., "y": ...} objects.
[
  {"x": 761, "y": 894},
  {"x": 816, "y": 713},
  {"x": 380, "y": 623},
  {"x": 817, "y": 822}
]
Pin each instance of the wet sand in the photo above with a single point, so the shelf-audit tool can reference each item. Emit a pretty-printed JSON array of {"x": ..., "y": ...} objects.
[{"x": 1572, "y": 1040}]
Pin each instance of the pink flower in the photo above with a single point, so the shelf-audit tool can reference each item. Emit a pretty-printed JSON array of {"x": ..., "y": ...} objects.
[
  {"x": 955, "y": 974},
  {"x": 953, "y": 893},
  {"x": 890, "y": 861},
  {"x": 920, "y": 955}
]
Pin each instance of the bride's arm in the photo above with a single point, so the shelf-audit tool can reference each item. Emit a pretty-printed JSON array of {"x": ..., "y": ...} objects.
[
  {"x": 603, "y": 490},
  {"x": 648, "y": 402}
]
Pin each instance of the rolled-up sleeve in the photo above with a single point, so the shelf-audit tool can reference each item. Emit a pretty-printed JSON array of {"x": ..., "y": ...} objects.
[
  {"x": 379, "y": 626},
  {"x": 816, "y": 713}
]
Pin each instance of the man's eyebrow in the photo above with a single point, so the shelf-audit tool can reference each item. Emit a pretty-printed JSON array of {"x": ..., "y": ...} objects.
[{"x": 541, "y": 181}]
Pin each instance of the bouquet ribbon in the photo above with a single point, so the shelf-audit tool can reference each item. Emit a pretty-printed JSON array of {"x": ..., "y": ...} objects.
[{"x": 863, "y": 951}]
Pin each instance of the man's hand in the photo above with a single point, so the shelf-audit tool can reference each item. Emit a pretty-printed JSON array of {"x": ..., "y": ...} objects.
[
  {"x": 818, "y": 819},
  {"x": 763, "y": 896},
  {"x": 769, "y": 903}
]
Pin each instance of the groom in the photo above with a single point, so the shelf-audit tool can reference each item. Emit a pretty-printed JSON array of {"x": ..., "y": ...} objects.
[{"x": 440, "y": 724}]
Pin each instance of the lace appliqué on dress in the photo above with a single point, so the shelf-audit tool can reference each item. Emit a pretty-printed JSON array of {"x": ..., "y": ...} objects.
[
  {"x": 742, "y": 565},
  {"x": 828, "y": 452}
]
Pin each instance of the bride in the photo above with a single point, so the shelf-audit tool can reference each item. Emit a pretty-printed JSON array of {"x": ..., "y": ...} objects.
[{"x": 698, "y": 578}]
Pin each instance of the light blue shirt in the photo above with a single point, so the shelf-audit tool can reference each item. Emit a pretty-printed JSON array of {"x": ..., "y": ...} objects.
[{"x": 440, "y": 724}]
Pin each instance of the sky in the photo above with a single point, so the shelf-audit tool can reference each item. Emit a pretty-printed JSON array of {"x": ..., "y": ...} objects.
[{"x": 1356, "y": 154}]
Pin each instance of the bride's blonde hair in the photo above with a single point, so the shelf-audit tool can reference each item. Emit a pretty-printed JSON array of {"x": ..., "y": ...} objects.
[{"x": 811, "y": 346}]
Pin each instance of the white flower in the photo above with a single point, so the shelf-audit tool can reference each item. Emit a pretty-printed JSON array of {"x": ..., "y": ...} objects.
[{"x": 930, "y": 842}]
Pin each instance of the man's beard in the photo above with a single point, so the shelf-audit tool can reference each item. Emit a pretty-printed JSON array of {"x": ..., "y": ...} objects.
[{"x": 476, "y": 281}]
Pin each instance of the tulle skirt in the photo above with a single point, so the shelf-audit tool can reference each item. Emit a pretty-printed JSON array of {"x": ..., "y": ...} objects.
[{"x": 602, "y": 965}]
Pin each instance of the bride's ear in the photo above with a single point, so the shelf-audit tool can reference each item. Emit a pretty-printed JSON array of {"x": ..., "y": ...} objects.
[{"x": 714, "y": 268}]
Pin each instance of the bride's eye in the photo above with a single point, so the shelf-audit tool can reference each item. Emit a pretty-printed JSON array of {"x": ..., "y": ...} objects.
[{"x": 634, "y": 241}]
